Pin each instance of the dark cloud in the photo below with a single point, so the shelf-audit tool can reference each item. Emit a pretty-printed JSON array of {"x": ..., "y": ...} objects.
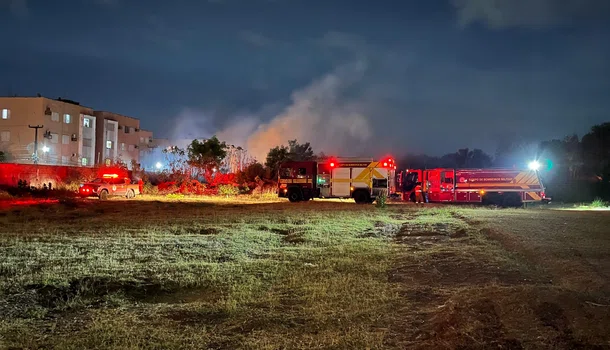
[
  {"x": 529, "y": 13},
  {"x": 18, "y": 8}
]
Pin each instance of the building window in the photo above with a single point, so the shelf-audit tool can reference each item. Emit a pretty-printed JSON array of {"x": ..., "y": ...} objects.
[
  {"x": 84, "y": 161},
  {"x": 131, "y": 148},
  {"x": 87, "y": 122},
  {"x": 54, "y": 138},
  {"x": 141, "y": 140},
  {"x": 108, "y": 161},
  {"x": 109, "y": 144},
  {"x": 6, "y": 113},
  {"x": 5, "y": 136},
  {"x": 126, "y": 129},
  {"x": 55, "y": 117},
  {"x": 122, "y": 146},
  {"x": 67, "y": 119},
  {"x": 65, "y": 139}
]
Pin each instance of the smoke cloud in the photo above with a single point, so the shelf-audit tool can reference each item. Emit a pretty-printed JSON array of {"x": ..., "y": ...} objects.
[
  {"x": 528, "y": 13},
  {"x": 319, "y": 113}
]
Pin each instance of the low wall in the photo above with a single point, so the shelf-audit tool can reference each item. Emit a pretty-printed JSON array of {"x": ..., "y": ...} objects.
[{"x": 36, "y": 175}]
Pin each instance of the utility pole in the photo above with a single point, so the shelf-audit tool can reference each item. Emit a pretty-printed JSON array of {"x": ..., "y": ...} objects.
[{"x": 35, "y": 127}]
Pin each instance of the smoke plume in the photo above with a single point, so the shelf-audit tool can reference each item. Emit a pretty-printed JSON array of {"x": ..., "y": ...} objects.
[{"x": 319, "y": 113}]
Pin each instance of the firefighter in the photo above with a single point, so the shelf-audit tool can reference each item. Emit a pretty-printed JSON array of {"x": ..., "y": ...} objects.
[
  {"x": 141, "y": 185},
  {"x": 419, "y": 193},
  {"x": 424, "y": 195}
]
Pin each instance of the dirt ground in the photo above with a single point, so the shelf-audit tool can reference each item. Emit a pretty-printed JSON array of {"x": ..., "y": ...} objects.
[
  {"x": 527, "y": 279},
  {"x": 160, "y": 274}
]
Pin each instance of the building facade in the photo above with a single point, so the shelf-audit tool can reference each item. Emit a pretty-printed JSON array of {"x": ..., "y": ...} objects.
[
  {"x": 68, "y": 133},
  {"x": 59, "y": 133}
]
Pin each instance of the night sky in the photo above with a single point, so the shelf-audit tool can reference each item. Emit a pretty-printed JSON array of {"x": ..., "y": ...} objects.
[{"x": 351, "y": 76}]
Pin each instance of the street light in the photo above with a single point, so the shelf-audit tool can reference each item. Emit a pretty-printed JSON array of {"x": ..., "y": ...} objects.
[
  {"x": 45, "y": 149},
  {"x": 158, "y": 165},
  {"x": 534, "y": 165}
]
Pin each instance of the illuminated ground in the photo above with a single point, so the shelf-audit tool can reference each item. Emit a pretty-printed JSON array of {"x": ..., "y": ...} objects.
[{"x": 225, "y": 274}]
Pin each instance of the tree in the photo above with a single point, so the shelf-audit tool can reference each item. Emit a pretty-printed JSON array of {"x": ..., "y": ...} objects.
[
  {"x": 250, "y": 173},
  {"x": 2, "y": 156},
  {"x": 207, "y": 155},
  {"x": 300, "y": 152},
  {"x": 564, "y": 158},
  {"x": 275, "y": 157},
  {"x": 479, "y": 159},
  {"x": 596, "y": 150},
  {"x": 465, "y": 158},
  {"x": 179, "y": 168},
  {"x": 294, "y": 152}
]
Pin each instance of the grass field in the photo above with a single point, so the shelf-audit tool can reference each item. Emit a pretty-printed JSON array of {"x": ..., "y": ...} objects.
[{"x": 249, "y": 274}]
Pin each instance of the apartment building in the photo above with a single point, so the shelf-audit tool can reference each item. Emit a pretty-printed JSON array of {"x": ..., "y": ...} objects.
[
  {"x": 66, "y": 131},
  {"x": 120, "y": 137},
  {"x": 69, "y": 134}
]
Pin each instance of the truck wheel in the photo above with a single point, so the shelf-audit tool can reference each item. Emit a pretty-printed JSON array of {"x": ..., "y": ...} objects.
[
  {"x": 104, "y": 195},
  {"x": 130, "y": 194},
  {"x": 294, "y": 196},
  {"x": 361, "y": 197}
]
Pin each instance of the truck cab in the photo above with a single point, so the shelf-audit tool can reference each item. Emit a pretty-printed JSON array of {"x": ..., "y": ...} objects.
[{"x": 297, "y": 181}]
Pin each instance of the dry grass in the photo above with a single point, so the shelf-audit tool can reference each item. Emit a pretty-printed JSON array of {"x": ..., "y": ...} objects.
[{"x": 255, "y": 273}]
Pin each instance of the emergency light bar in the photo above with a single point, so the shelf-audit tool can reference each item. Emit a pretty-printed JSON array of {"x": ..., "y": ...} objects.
[{"x": 114, "y": 176}]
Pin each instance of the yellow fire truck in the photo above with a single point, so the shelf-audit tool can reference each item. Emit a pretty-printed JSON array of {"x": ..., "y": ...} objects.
[{"x": 363, "y": 179}]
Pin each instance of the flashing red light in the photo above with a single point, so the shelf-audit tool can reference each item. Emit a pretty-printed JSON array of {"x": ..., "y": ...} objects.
[
  {"x": 385, "y": 163},
  {"x": 332, "y": 164}
]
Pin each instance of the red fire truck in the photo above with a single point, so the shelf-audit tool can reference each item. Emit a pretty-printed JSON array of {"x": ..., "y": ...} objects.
[
  {"x": 362, "y": 179},
  {"x": 506, "y": 187}
]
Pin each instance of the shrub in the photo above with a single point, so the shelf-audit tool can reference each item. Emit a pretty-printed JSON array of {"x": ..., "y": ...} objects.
[
  {"x": 381, "y": 200},
  {"x": 228, "y": 190},
  {"x": 598, "y": 203},
  {"x": 150, "y": 189},
  {"x": 5, "y": 195},
  {"x": 70, "y": 186}
]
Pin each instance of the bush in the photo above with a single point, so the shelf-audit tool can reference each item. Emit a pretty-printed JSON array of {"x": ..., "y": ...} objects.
[
  {"x": 228, "y": 190},
  {"x": 5, "y": 195},
  {"x": 381, "y": 200},
  {"x": 69, "y": 186},
  {"x": 192, "y": 187},
  {"x": 150, "y": 189},
  {"x": 598, "y": 203}
]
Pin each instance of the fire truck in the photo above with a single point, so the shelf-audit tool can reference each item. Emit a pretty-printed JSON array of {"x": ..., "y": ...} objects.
[
  {"x": 362, "y": 179},
  {"x": 506, "y": 187}
]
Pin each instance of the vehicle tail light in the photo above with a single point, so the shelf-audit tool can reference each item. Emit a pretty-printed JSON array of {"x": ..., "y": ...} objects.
[{"x": 542, "y": 194}]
